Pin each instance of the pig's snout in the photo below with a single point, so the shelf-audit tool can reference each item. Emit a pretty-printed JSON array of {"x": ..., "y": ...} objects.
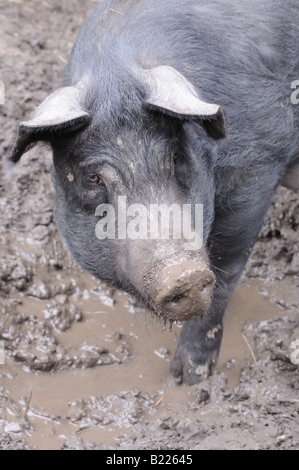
[{"x": 181, "y": 289}]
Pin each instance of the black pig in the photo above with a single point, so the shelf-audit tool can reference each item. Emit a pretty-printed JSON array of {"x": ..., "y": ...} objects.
[{"x": 175, "y": 101}]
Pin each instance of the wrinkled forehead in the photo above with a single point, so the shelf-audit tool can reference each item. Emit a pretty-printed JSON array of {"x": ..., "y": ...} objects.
[
  {"x": 134, "y": 160},
  {"x": 144, "y": 146}
]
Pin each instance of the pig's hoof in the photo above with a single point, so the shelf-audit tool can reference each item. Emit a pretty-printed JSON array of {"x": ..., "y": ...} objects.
[{"x": 189, "y": 369}]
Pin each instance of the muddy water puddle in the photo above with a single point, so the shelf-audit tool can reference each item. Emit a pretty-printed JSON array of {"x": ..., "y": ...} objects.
[
  {"x": 249, "y": 304},
  {"x": 116, "y": 379}
]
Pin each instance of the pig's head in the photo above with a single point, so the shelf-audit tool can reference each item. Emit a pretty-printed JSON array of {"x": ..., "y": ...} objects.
[{"x": 145, "y": 141}]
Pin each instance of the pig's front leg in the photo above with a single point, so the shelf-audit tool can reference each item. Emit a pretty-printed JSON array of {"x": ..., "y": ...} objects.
[
  {"x": 200, "y": 339},
  {"x": 199, "y": 344}
]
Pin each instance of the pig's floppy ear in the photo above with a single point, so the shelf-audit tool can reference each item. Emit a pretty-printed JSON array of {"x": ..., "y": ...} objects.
[
  {"x": 169, "y": 91},
  {"x": 60, "y": 113}
]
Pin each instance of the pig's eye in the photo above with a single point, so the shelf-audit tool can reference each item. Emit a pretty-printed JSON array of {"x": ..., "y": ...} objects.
[
  {"x": 95, "y": 179},
  {"x": 175, "y": 157}
]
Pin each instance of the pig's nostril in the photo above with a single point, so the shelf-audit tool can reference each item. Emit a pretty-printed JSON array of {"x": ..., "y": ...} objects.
[
  {"x": 205, "y": 286},
  {"x": 175, "y": 299}
]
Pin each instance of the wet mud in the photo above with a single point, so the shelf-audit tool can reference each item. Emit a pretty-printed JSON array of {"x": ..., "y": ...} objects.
[{"x": 84, "y": 368}]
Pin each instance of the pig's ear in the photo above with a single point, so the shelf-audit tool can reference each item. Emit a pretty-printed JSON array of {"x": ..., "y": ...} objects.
[
  {"x": 169, "y": 91},
  {"x": 59, "y": 114}
]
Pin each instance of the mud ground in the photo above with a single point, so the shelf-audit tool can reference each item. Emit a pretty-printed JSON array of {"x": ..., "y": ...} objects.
[{"x": 84, "y": 368}]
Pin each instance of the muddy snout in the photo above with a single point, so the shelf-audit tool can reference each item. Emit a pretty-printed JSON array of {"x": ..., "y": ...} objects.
[{"x": 180, "y": 288}]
